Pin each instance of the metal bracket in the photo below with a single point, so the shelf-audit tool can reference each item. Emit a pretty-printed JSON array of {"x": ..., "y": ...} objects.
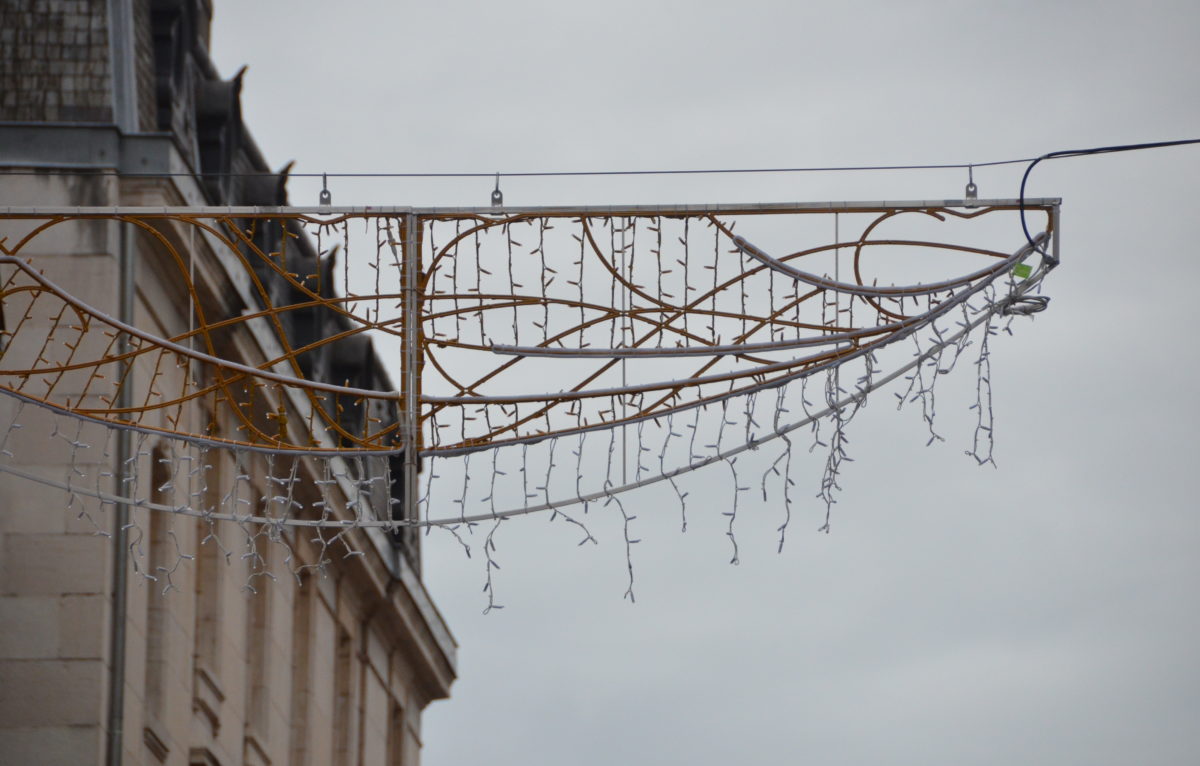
[
  {"x": 326, "y": 199},
  {"x": 972, "y": 192},
  {"x": 497, "y": 195}
]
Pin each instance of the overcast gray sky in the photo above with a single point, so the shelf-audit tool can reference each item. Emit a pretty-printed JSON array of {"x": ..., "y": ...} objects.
[{"x": 1041, "y": 613}]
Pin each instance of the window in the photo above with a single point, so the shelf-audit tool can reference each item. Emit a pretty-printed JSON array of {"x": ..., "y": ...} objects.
[
  {"x": 396, "y": 727},
  {"x": 258, "y": 632},
  {"x": 161, "y": 559},
  {"x": 204, "y": 479},
  {"x": 343, "y": 702},
  {"x": 301, "y": 675}
]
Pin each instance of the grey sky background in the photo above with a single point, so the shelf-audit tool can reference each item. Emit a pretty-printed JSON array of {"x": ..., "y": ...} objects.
[{"x": 1041, "y": 613}]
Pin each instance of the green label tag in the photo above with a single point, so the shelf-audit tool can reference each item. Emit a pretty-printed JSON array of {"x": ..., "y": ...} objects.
[{"x": 1023, "y": 270}]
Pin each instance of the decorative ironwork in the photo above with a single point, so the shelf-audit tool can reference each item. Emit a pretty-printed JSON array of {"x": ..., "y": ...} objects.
[
  {"x": 531, "y": 324},
  {"x": 528, "y": 360}
]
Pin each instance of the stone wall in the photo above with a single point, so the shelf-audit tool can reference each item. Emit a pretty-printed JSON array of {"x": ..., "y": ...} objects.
[{"x": 332, "y": 668}]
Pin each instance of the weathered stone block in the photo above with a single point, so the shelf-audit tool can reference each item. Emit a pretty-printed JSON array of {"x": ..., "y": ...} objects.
[
  {"x": 82, "y": 444},
  {"x": 52, "y": 692},
  {"x": 81, "y": 627},
  {"x": 30, "y": 627},
  {"x": 52, "y": 745},
  {"x": 53, "y": 565},
  {"x": 30, "y": 508}
]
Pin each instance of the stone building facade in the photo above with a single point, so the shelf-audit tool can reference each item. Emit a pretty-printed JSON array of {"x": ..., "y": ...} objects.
[{"x": 117, "y": 103}]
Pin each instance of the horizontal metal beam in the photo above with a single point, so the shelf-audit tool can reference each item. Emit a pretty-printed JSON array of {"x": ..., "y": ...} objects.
[{"x": 591, "y": 210}]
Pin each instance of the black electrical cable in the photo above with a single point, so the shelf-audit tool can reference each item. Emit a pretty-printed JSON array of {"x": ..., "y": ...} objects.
[
  {"x": 552, "y": 173},
  {"x": 1083, "y": 153},
  {"x": 1033, "y": 162}
]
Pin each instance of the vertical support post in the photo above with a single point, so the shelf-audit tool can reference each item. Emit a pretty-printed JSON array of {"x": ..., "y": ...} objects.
[
  {"x": 410, "y": 371},
  {"x": 1055, "y": 224},
  {"x": 120, "y": 532}
]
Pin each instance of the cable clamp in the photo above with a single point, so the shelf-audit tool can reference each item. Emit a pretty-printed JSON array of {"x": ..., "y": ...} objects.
[
  {"x": 497, "y": 195},
  {"x": 1024, "y": 305},
  {"x": 972, "y": 192},
  {"x": 326, "y": 199}
]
